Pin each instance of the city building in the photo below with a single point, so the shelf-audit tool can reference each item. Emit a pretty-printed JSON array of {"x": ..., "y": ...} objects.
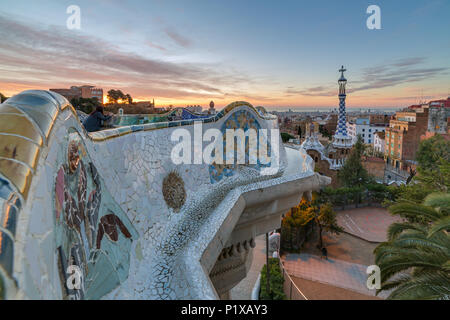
[
  {"x": 379, "y": 141},
  {"x": 87, "y": 92},
  {"x": 438, "y": 119},
  {"x": 376, "y": 118},
  {"x": 403, "y": 136},
  {"x": 365, "y": 128}
]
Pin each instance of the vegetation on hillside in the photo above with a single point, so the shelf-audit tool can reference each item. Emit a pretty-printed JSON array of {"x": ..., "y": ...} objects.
[
  {"x": 433, "y": 158},
  {"x": 432, "y": 152},
  {"x": 415, "y": 261}
]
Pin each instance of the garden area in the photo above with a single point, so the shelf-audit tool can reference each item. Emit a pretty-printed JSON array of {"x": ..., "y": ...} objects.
[
  {"x": 276, "y": 282},
  {"x": 414, "y": 259}
]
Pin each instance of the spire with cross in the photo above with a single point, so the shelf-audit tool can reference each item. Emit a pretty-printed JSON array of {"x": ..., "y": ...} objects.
[
  {"x": 341, "y": 139},
  {"x": 342, "y": 70}
]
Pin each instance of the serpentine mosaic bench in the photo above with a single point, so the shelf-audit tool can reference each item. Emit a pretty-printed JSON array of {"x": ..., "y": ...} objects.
[{"x": 112, "y": 206}]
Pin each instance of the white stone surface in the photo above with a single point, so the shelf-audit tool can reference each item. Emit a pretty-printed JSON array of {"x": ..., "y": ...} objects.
[{"x": 173, "y": 254}]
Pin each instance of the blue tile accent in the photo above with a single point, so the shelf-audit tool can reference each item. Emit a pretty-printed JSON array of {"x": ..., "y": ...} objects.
[
  {"x": 9, "y": 219},
  {"x": 5, "y": 189},
  {"x": 6, "y": 252}
]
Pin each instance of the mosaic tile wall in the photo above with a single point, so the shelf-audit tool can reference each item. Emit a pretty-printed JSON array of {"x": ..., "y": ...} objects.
[
  {"x": 243, "y": 120},
  {"x": 97, "y": 202},
  {"x": 176, "y": 114},
  {"x": 92, "y": 231}
]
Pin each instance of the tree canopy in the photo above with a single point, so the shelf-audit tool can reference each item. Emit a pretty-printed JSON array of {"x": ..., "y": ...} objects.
[
  {"x": 433, "y": 175},
  {"x": 322, "y": 214},
  {"x": 115, "y": 95},
  {"x": 352, "y": 172},
  {"x": 286, "y": 136},
  {"x": 414, "y": 262},
  {"x": 431, "y": 151}
]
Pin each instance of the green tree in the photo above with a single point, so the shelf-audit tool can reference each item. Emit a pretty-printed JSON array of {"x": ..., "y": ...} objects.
[
  {"x": 276, "y": 282},
  {"x": 433, "y": 176},
  {"x": 321, "y": 212},
  {"x": 286, "y": 136},
  {"x": 325, "y": 132},
  {"x": 432, "y": 151},
  {"x": 415, "y": 261},
  {"x": 114, "y": 95},
  {"x": 325, "y": 219},
  {"x": 352, "y": 172},
  {"x": 295, "y": 225}
]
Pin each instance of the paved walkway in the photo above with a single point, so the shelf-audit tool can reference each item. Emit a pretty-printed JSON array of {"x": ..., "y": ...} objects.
[
  {"x": 319, "y": 291},
  {"x": 370, "y": 224},
  {"x": 243, "y": 290},
  {"x": 339, "y": 273}
]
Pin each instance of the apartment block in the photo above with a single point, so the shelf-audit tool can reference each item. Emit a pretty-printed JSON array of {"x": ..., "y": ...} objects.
[
  {"x": 438, "y": 119},
  {"x": 81, "y": 92},
  {"x": 403, "y": 136},
  {"x": 364, "y": 128}
]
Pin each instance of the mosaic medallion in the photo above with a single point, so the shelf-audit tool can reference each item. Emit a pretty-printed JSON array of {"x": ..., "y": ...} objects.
[{"x": 173, "y": 191}]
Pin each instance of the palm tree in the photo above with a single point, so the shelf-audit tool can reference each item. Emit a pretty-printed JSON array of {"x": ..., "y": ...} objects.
[{"x": 415, "y": 261}]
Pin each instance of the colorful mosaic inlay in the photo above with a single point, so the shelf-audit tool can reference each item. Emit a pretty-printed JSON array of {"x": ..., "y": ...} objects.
[
  {"x": 116, "y": 132},
  {"x": 93, "y": 233},
  {"x": 244, "y": 120}
]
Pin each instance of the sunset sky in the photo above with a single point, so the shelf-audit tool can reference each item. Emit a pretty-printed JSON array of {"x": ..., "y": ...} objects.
[{"x": 270, "y": 53}]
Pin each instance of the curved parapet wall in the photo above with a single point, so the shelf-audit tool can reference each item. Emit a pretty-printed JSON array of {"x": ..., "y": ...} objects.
[
  {"x": 111, "y": 133},
  {"x": 175, "y": 114},
  {"x": 114, "y": 209}
]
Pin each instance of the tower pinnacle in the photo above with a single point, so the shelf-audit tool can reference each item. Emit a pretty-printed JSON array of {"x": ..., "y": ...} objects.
[
  {"x": 342, "y": 70},
  {"x": 341, "y": 139}
]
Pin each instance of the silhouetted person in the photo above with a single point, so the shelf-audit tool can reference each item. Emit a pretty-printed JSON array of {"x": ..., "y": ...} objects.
[
  {"x": 94, "y": 121},
  {"x": 324, "y": 253}
]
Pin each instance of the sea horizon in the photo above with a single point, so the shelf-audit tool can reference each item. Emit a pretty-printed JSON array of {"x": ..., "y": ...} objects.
[{"x": 330, "y": 109}]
